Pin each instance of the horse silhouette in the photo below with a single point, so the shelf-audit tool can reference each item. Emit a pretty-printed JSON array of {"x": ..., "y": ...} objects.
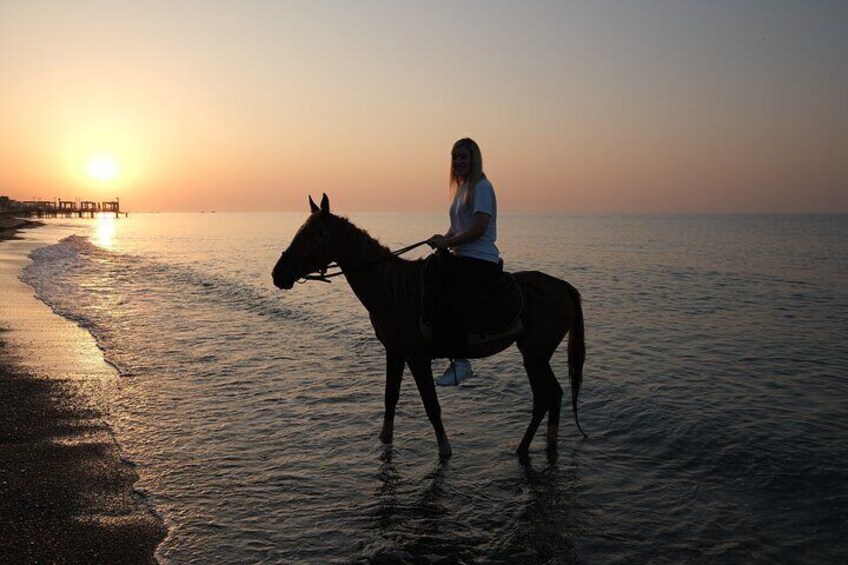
[{"x": 390, "y": 289}]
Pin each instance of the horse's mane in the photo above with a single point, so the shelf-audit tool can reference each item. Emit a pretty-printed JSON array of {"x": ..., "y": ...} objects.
[
  {"x": 360, "y": 239},
  {"x": 402, "y": 279}
]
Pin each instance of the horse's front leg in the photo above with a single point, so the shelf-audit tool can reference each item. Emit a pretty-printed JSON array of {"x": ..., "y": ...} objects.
[
  {"x": 394, "y": 375},
  {"x": 423, "y": 373}
]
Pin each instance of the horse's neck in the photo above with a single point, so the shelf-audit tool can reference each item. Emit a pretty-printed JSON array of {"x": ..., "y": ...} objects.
[
  {"x": 377, "y": 278},
  {"x": 354, "y": 248}
]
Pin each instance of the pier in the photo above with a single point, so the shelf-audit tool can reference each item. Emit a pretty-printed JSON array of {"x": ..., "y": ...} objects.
[{"x": 65, "y": 208}]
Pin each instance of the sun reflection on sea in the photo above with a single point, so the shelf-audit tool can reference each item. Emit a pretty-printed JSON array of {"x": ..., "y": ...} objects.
[{"x": 105, "y": 231}]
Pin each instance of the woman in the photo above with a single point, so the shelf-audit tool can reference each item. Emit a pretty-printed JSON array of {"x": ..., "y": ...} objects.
[{"x": 471, "y": 239}]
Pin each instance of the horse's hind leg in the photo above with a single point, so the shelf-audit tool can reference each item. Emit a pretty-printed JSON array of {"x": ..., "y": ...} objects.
[
  {"x": 423, "y": 374},
  {"x": 538, "y": 385},
  {"x": 555, "y": 402},
  {"x": 547, "y": 397}
]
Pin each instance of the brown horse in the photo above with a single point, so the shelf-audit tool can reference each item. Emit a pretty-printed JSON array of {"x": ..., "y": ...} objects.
[{"x": 390, "y": 289}]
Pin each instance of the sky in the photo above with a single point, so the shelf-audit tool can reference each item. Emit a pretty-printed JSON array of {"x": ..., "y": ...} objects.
[{"x": 641, "y": 106}]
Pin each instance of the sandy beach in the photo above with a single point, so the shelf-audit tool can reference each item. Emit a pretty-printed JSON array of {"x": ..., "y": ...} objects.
[{"x": 66, "y": 495}]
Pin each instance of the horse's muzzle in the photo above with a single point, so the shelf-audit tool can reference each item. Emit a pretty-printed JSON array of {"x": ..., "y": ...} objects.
[
  {"x": 283, "y": 278},
  {"x": 282, "y": 281},
  {"x": 284, "y": 285}
]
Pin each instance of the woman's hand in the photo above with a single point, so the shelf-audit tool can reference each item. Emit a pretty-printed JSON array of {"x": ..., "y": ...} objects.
[
  {"x": 438, "y": 241},
  {"x": 478, "y": 228}
]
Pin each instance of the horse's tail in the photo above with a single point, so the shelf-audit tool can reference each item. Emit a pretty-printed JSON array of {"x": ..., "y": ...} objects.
[{"x": 576, "y": 352}]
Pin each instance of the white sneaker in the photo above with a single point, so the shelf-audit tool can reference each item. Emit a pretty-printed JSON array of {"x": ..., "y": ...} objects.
[{"x": 458, "y": 371}]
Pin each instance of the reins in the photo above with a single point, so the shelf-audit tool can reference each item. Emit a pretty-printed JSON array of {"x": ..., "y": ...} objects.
[{"x": 324, "y": 277}]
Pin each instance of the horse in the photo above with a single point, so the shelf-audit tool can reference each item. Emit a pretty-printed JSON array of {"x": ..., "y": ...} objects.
[{"x": 390, "y": 289}]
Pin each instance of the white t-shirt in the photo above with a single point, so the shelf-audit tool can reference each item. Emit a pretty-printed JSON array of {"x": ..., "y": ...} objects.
[{"x": 462, "y": 218}]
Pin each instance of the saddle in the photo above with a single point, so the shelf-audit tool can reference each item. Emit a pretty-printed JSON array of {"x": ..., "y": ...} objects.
[{"x": 493, "y": 313}]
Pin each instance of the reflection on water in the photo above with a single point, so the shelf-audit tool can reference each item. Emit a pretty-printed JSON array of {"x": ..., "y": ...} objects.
[
  {"x": 104, "y": 233},
  {"x": 713, "y": 344},
  {"x": 413, "y": 516},
  {"x": 546, "y": 530},
  {"x": 532, "y": 514}
]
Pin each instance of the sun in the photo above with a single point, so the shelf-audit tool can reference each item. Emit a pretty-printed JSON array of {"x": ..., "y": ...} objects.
[{"x": 103, "y": 167}]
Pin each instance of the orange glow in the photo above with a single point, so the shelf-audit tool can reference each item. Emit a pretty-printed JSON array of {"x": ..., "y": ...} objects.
[
  {"x": 261, "y": 105},
  {"x": 103, "y": 167}
]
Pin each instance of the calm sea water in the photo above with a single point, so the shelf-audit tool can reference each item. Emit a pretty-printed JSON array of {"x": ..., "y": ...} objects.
[{"x": 715, "y": 394}]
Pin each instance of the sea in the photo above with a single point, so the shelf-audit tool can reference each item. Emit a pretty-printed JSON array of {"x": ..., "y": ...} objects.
[{"x": 715, "y": 394}]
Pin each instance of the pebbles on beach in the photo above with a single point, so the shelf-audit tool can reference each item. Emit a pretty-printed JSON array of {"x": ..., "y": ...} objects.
[{"x": 66, "y": 496}]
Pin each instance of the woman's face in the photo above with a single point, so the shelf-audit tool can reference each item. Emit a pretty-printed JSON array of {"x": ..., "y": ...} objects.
[{"x": 461, "y": 162}]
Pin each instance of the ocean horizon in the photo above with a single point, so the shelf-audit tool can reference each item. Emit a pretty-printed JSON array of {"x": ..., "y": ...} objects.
[{"x": 714, "y": 393}]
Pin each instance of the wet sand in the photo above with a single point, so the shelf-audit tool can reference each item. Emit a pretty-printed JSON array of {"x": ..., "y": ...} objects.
[{"x": 66, "y": 496}]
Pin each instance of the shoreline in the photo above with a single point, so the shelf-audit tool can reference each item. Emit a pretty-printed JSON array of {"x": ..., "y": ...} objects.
[{"x": 66, "y": 494}]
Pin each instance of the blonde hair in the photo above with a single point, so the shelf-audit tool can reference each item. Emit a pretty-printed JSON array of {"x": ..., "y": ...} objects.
[{"x": 475, "y": 175}]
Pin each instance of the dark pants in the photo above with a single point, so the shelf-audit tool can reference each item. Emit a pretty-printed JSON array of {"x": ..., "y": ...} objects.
[{"x": 463, "y": 278}]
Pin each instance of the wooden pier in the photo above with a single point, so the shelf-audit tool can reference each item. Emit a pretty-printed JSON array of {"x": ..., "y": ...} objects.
[{"x": 65, "y": 208}]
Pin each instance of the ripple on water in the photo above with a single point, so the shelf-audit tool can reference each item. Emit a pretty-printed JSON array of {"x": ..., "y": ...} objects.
[{"x": 714, "y": 395}]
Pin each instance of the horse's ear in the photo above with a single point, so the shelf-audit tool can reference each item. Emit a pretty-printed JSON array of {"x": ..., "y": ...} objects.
[
  {"x": 312, "y": 206},
  {"x": 325, "y": 204}
]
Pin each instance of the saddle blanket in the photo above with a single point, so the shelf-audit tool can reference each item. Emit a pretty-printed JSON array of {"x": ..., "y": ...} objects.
[{"x": 493, "y": 314}]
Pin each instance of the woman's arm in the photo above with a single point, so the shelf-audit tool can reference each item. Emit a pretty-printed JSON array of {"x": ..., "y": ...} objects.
[{"x": 478, "y": 228}]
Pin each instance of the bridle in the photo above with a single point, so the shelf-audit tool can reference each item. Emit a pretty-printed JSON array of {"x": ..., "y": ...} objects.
[{"x": 323, "y": 276}]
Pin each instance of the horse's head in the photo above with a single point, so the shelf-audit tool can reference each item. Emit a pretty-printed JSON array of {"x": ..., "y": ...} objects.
[{"x": 309, "y": 251}]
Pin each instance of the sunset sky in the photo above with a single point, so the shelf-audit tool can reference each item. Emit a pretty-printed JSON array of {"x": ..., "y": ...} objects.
[{"x": 579, "y": 107}]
